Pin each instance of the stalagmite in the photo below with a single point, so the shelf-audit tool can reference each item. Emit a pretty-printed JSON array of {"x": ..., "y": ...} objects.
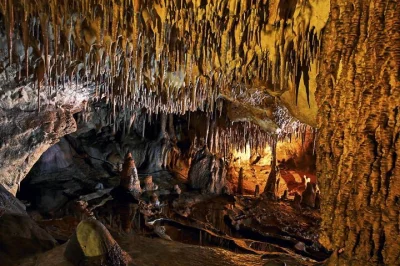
[
  {"x": 10, "y": 24},
  {"x": 308, "y": 195},
  {"x": 240, "y": 182},
  {"x": 129, "y": 173},
  {"x": 257, "y": 191},
  {"x": 270, "y": 187}
]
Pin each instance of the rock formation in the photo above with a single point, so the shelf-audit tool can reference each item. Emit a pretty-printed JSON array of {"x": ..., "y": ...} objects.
[
  {"x": 297, "y": 201},
  {"x": 148, "y": 184},
  {"x": 137, "y": 190},
  {"x": 308, "y": 196},
  {"x": 8, "y": 203},
  {"x": 90, "y": 58},
  {"x": 357, "y": 153},
  {"x": 177, "y": 190},
  {"x": 129, "y": 173},
  {"x": 280, "y": 187},
  {"x": 271, "y": 186},
  {"x": 25, "y": 136},
  {"x": 318, "y": 200},
  {"x": 92, "y": 244},
  {"x": 20, "y": 236},
  {"x": 257, "y": 191},
  {"x": 207, "y": 172}
]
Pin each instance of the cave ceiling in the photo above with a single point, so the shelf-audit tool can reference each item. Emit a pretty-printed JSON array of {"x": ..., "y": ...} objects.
[{"x": 171, "y": 56}]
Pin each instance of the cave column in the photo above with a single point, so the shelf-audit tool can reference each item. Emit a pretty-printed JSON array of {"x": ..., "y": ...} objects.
[
  {"x": 358, "y": 162},
  {"x": 163, "y": 126}
]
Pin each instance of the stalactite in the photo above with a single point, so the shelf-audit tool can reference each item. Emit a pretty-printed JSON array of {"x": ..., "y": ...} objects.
[
  {"x": 207, "y": 132},
  {"x": 144, "y": 126},
  {"x": 140, "y": 59},
  {"x": 10, "y": 24},
  {"x": 25, "y": 39},
  {"x": 315, "y": 134},
  {"x": 163, "y": 125}
]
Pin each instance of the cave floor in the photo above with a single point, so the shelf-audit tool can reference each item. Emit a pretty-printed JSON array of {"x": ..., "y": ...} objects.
[
  {"x": 222, "y": 230},
  {"x": 205, "y": 229},
  {"x": 152, "y": 251}
]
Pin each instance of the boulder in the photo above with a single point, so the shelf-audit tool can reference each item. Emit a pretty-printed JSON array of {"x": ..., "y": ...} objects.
[
  {"x": 21, "y": 237},
  {"x": 9, "y": 203},
  {"x": 92, "y": 244}
]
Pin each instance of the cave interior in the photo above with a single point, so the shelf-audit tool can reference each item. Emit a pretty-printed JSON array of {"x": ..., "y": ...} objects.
[{"x": 199, "y": 132}]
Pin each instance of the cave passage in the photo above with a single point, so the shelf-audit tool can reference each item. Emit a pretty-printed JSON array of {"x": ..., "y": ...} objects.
[{"x": 197, "y": 197}]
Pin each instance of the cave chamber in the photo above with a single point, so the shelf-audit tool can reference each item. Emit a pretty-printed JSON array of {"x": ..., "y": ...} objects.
[{"x": 180, "y": 132}]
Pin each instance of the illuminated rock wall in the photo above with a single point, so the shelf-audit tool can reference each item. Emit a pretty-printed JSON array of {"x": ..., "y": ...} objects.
[{"x": 358, "y": 150}]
